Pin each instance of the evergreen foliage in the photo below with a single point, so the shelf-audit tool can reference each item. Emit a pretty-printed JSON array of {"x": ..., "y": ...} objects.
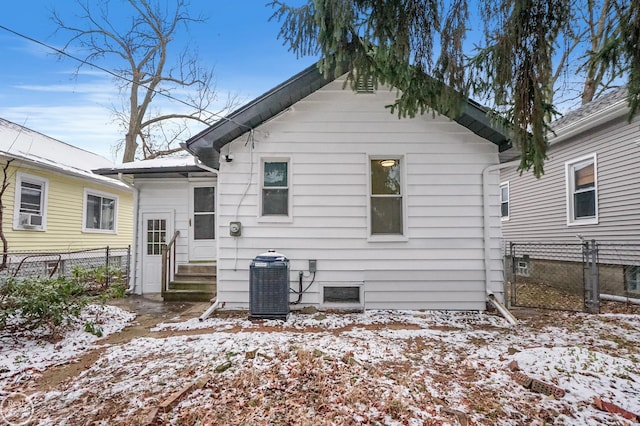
[{"x": 419, "y": 48}]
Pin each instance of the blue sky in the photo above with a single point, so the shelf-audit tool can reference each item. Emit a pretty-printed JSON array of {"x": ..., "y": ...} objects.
[{"x": 39, "y": 91}]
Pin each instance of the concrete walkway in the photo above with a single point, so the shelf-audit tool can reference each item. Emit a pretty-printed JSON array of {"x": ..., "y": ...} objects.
[{"x": 153, "y": 307}]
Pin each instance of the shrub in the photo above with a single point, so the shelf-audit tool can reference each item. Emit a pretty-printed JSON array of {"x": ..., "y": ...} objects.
[
  {"x": 108, "y": 282},
  {"x": 32, "y": 303}
]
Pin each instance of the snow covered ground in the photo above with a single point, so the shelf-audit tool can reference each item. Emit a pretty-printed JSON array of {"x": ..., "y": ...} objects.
[{"x": 377, "y": 367}]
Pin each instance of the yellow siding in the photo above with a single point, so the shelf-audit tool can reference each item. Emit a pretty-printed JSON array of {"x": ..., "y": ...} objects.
[{"x": 64, "y": 212}]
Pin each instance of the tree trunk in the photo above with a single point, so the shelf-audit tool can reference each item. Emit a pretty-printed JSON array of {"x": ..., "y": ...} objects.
[
  {"x": 589, "y": 91},
  {"x": 130, "y": 147}
]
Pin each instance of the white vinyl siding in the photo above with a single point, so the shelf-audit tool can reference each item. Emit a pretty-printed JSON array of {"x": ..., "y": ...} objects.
[
  {"x": 504, "y": 201},
  {"x": 582, "y": 191},
  {"x": 100, "y": 212},
  {"x": 31, "y": 202},
  {"x": 330, "y": 137}
]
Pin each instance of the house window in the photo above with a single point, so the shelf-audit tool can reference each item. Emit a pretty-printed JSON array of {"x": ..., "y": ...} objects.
[
  {"x": 633, "y": 278},
  {"x": 522, "y": 267},
  {"x": 504, "y": 201},
  {"x": 582, "y": 191},
  {"x": 204, "y": 213},
  {"x": 275, "y": 188},
  {"x": 100, "y": 212},
  {"x": 30, "y": 205},
  {"x": 156, "y": 236},
  {"x": 386, "y": 197}
]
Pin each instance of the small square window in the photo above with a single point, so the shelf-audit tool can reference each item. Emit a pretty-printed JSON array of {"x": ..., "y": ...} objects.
[
  {"x": 633, "y": 278},
  {"x": 522, "y": 268}
]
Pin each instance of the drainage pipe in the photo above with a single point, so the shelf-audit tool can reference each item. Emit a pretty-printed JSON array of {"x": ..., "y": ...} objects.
[
  {"x": 502, "y": 309},
  {"x": 209, "y": 311},
  {"x": 486, "y": 222},
  {"x": 623, "y": 299}
]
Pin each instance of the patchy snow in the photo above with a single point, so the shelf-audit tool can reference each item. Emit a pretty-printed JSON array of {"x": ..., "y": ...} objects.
[
  {"x": 377, "y": 367},
  {"x": 30, "y": 351}
]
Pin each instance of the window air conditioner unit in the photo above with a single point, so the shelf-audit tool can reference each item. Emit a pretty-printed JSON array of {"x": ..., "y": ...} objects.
[{"x": 30, "y": 220}]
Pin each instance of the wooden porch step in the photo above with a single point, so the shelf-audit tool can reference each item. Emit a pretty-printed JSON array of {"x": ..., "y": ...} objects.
[
  {"x": 193, "y": 283},
  {"x": 181, "y": 295},
  {"x": 197, "y": 269},
  {"x": 209, "y": 286}
]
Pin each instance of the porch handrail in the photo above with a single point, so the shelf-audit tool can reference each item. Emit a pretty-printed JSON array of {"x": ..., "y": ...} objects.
[{"x": 168, "y": 252}]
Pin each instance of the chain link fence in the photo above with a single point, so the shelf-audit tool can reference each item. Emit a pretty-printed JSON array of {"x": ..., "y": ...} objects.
[
  {"x": 107, "y": 263},
  {"x": 570, "y": 276},
  {"x": 546, "y": 275},
  {"x": 619, "y": 268}
]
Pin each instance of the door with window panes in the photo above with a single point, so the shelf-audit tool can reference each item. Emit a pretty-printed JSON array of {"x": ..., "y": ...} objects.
[
  {"x": 202, "y": 222},
  {"x": 158, "y": 230}
]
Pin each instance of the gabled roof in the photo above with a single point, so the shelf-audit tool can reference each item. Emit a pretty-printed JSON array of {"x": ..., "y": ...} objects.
[
  {"x": 206, "y": 145},
  {"x": 43, "y": 151}
]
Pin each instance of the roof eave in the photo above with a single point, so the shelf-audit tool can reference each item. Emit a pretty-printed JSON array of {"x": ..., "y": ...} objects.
[
  {"x": 207, "y": 144},
  {"x": 253, "y": 114}
]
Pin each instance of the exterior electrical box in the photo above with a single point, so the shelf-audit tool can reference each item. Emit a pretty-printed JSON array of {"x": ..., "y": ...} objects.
[{"x": 269, "y": 287}]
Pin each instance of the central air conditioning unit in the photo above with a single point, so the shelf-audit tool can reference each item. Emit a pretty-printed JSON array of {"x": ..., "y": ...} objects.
[
  {"x": 30, "y": 220},
  {"x": 269, "y": 287}
]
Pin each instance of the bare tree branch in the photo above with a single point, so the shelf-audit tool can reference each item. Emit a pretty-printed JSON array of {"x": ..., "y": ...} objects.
[{"x": 148, "y": 67}]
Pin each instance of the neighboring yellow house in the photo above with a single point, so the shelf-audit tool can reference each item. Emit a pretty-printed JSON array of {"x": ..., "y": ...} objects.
[{"x": 53, "y": 202}]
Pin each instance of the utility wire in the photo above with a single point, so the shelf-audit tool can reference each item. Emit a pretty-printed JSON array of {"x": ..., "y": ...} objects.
[{"x": 85, "y": 62}]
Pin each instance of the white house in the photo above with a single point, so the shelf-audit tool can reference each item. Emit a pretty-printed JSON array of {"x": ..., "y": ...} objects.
[
  {"x": 371, "y": 211},
  {"x": 175, "y": 203}
]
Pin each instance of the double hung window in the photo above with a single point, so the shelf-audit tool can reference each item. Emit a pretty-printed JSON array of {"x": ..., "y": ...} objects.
[
  {"x": 582, "y": 191},
  {"x": 386, "y": 197}
]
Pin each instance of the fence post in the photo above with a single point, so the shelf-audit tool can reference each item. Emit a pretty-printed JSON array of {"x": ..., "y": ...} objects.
[
  {"x": 107, "y": 279},
  {"x": 512, "y": 274},
  {"x": 128, "y": 268},
  {"x": 594, "y": 303}
]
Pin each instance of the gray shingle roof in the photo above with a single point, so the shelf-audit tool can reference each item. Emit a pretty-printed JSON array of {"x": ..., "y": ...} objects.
[{"x": 610, "y": 99}]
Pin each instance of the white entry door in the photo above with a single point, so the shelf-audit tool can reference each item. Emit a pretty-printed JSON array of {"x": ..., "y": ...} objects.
[
  {"x": 202, "y": 222},
  {"x": 157, "y": 230}
]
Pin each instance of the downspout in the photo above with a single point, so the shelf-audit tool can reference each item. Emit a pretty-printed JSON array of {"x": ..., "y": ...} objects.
[
  {"x": 136, "y": 208},
  {"x": 486, "y": 219}
]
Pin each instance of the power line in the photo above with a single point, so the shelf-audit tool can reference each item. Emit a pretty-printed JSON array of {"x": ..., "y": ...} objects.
[{"x": 85, "y": 62}]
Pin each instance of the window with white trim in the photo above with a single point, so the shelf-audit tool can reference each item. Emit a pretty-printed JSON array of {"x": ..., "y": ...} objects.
[
  {"x": 30, "y": 202},
  {"x": 582, "y": 191},
  {"x": 100, "y": 212},
  {"x": 275, "y": 188},
  {"x": 386, "y": 197},
  {"x": 504, "y": 201}
]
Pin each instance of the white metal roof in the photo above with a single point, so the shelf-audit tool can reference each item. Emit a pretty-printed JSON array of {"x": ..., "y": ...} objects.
[{"x": 32, "y": 147}]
